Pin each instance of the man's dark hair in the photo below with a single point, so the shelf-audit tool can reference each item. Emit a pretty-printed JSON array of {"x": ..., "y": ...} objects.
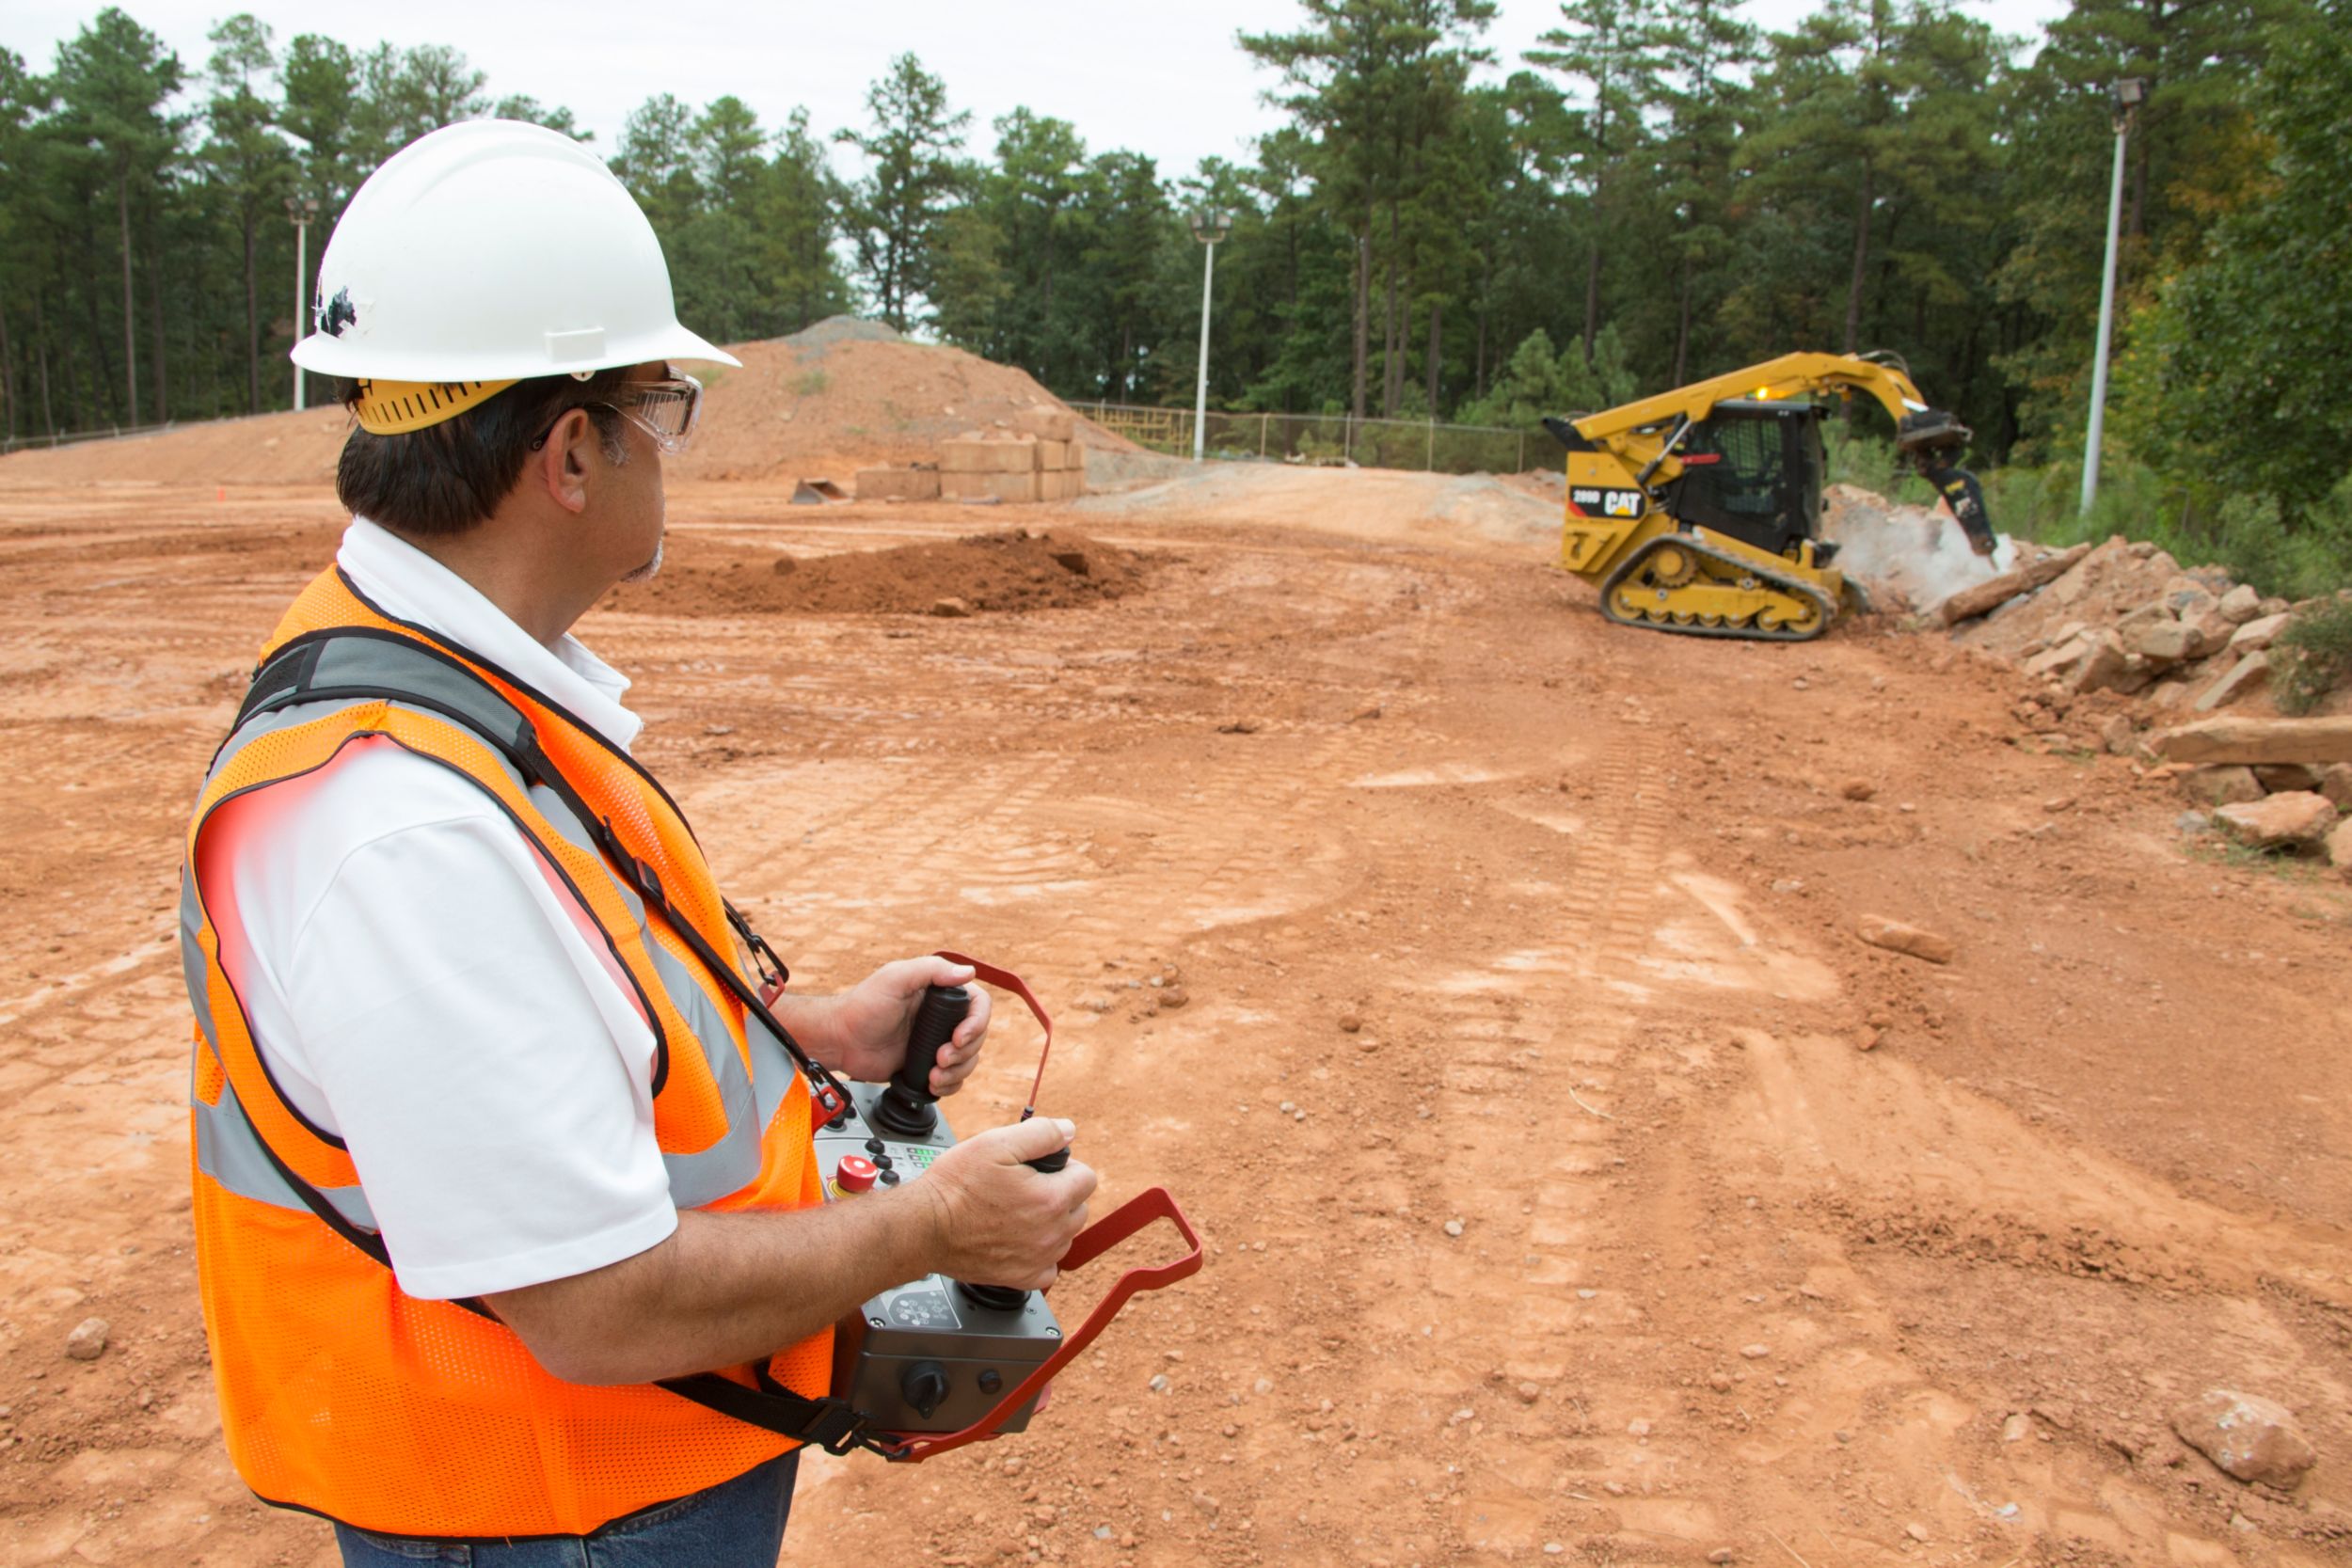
[{"x": 449, "y": 477}]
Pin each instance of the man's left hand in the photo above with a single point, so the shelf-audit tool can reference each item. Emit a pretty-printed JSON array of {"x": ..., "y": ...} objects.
[{"x": 870, "y": 1020}]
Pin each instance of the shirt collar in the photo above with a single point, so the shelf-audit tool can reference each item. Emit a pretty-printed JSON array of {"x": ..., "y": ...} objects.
[{"x": 410, "y": 585}]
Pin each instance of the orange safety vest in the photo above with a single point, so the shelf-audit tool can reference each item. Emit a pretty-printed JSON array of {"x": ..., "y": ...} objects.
[{"x": 338, "y": 1393}]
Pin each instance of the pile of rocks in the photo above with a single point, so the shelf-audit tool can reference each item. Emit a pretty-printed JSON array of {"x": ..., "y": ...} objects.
[
  {"x": 2118, "y": 642},
  {"x": 2126, "y": 618},
  {"x": 2271, "y": 783}
]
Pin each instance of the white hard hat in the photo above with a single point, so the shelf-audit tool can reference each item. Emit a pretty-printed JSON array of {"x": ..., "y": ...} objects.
[{"x": 485, "y": 252}]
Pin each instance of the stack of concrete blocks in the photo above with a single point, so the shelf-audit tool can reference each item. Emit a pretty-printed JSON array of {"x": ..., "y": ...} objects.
[
  {"x": 1037, "y": 458},
  {"x": 1033, "y": 456}
]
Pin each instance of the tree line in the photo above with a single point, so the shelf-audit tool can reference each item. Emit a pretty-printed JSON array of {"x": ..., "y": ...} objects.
[{"x": 1658, "y": 191}]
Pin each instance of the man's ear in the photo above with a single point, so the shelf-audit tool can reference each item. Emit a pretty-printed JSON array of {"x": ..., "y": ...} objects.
[{"x": 562, "y": 465}]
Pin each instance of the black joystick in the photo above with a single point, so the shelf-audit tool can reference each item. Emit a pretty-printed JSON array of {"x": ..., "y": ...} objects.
[
  {"x": 907, "y": 1107},
  {"x": 1007, "y": 1298},
  {"x": 996, "y": 1298}
]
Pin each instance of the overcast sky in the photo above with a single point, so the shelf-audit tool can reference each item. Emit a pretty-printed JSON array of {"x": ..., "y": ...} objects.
[{"x": 1163, "y": 79}]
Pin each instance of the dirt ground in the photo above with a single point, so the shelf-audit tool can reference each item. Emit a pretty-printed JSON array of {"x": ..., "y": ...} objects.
[{"x": 1480, "y": 978}]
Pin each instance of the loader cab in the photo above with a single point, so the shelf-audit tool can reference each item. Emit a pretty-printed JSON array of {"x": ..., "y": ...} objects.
[{"x": 1752, "y": 469}]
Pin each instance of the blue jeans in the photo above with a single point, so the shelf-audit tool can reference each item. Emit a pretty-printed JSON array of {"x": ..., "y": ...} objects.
[{"x": 736, "y": 1523}]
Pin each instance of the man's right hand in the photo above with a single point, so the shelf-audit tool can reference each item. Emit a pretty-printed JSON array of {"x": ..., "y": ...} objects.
[{"x": 1001, "y": 1223}]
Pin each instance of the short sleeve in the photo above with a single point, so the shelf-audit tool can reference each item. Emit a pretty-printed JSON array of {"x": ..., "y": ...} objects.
[{"x": 491, "y": 1079}]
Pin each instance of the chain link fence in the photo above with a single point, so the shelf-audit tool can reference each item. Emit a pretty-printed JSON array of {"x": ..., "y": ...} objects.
[
  {"x": 1330, "y": 439},
  {"x": 75, "y": 438}
]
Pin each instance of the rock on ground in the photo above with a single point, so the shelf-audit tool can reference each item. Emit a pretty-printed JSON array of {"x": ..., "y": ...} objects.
[
  {"x": 87, "y": 1341},
  {"x": 2240, "y": 605},
  {"x": 2225, "y": 785},
  {"x": 2340, "y": 846},
  {"x": 1895, "y": 937},
  {"x": 2256, "y": 635},
  {"x": 2242, "y": 678},
  {"x": 2316, "y": 741},
  {"x": 1971, "y": 602},
  {"x": 2288, "y": 821},
  {"x": 2253, "y": 1439}
]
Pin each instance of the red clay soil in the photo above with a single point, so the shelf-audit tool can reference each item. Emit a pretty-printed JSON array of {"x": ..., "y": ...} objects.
[
  {"x": 815, "y": 409},
  {"x": 1486, "y": 980},
  {"x": 986, "y": 572}
]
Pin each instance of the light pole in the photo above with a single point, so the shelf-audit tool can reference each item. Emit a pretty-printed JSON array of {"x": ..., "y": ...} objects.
[
  {"x": 301, "y": 210},
  {"x": 1209, "y": 224},
  {"x": 2125, "y": 97}
]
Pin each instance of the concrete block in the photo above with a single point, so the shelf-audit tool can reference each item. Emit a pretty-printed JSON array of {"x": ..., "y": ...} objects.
[
  {"x": 997, "y": 485},
  {"x": 1052, "y": 456},
  {"x": 898, "y": 485},
  {"x": 987, "y": 457}
]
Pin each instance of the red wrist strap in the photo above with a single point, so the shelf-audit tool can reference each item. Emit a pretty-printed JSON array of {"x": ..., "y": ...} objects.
[
  {"x": 1020, "y": 988},
  {"x": 1095, "y": 1241}
]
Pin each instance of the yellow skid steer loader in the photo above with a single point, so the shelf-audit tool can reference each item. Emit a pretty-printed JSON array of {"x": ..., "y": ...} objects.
[{"x": 1698, "y": 510}]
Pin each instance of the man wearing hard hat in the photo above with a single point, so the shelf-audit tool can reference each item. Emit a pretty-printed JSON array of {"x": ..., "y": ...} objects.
[{"x": 508, "y": 1224}]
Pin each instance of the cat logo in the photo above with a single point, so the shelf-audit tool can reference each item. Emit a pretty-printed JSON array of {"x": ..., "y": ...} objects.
[{"x": 1591, "y": 500}]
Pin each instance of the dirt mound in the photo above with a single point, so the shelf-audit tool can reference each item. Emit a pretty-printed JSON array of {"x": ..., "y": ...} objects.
[
  {"x": 838, "y": 405},
  {"x": 844, "y": 330},
  {"x": 825, "y": 402},
  {"x": 987, "y": 572}
]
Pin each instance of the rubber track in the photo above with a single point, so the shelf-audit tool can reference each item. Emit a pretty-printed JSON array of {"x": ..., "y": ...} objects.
[{"x": 1787, "y": 582}]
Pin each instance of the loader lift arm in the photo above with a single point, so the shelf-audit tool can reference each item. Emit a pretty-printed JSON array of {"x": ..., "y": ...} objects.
[{"x": 1642, "y": 432}]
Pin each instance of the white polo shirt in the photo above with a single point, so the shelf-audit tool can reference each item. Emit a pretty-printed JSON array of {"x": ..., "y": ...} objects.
[{"x": 416, "y": 988}]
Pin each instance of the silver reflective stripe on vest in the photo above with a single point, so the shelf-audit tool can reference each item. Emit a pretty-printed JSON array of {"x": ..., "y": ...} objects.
[
  {"x": 372, "y": 662},
  {"x": 229, "y": 1149},
  {"x": 712, "y": 1172},
  {"x": 192, "y": 967},
  {"x": 773, "y": 1072}
]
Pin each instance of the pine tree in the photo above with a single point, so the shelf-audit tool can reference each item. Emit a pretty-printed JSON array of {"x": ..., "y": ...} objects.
[
  {"x": 1611, "y": 49},
  {"x": 912, "y": 178}
]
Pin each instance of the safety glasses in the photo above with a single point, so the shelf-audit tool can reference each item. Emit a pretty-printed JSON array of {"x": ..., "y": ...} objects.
[{"x": 668, "y": 410}]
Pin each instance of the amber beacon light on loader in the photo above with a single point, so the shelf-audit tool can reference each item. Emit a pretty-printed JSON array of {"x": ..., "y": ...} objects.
[{"x": 1698, "y": 511}]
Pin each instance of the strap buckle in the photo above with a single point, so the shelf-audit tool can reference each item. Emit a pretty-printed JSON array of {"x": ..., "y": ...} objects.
[
  {"x": 773, "y": 973},
  {"x": 825, "y": 1092},
  {"x": 838, "y": 1427}
]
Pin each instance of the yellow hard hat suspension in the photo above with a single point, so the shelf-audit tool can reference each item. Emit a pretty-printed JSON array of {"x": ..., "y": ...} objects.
[{"x": 396, "y": 407}]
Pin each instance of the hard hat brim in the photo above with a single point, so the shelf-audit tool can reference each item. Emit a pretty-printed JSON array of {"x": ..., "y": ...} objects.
[{"x": 327, "y": 356}]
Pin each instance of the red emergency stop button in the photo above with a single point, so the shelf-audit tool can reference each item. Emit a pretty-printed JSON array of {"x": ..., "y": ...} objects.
[{"x": 855, "y": 1174}]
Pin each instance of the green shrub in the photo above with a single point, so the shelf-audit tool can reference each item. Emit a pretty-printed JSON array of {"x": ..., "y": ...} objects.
[
  {"x": 2311, "y": 656},
  {"x": 1871, "y": 464},
  {"x": 2248, "y": 536}
]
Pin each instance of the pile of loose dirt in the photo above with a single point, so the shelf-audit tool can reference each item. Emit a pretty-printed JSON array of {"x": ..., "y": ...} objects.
[
  {"x": 839, "y": 396},
  {"x": 985, "y": 572}
]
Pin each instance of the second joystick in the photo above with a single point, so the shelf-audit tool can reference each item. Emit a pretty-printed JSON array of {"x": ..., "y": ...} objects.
[{"x": 907, "y": 1107}]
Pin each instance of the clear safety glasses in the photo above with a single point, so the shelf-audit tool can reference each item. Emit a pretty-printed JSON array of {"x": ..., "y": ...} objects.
[{"x": 666, "y": 410}]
